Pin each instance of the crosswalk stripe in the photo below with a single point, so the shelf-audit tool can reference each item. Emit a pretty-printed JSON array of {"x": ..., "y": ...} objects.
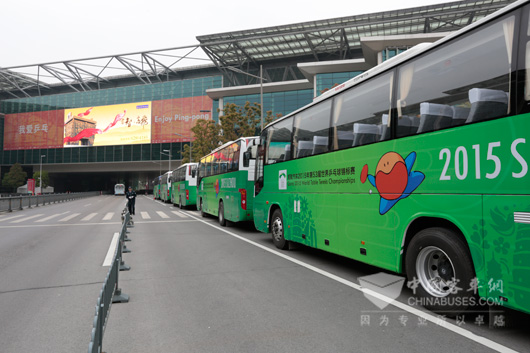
[
  {"x": 67, "y": 218},
  {"x": 13, "y": 217},
  {"x": 108, "y": 216},
  {"x": 50, "y": 217},
  {"x": 26, "y": 219},
  {"x": 89, "y": 217},
  {"x": 162, "y": 214},
  {"x": 145, "y": 215},
  {"x": 180, "y": 214}
]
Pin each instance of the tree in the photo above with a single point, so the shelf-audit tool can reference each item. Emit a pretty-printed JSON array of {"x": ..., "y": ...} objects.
[
  {"x": 15, "y": 177},
  {"x": 45, "y": 179},
  {"x": 239, "y": 121},
  {"x": 206, "y": 138},
  {"x": 235, "y": 122}
]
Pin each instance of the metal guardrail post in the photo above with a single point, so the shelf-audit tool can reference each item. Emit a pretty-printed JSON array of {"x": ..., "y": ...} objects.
[
  {"x": 119, "y": 297},
  {"x": 20, "y": 207},
  {"x": 109, "y": 294},
  {"x": 123, "y": 266},
  {"x": 125, "y": 237},
  {"x": 10, "y": 209}
]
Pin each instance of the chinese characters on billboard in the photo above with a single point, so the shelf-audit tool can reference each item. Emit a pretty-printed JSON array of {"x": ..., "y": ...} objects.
[
  {"x": 122, "y": 124},
  {"x": 25, "y": 131}
]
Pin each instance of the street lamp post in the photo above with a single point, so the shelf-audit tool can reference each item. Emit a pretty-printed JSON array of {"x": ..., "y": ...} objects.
[
  {"x": 40, "y": 173},
  {"x": 169, "y": 155},
  {"x": 260, "y": 77},
  {"x": 190, "y": 140},
  {"x": 261, "y": 93}
]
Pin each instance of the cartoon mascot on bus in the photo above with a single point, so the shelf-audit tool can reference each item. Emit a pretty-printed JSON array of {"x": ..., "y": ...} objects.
[{"x": 394, "y": 179}]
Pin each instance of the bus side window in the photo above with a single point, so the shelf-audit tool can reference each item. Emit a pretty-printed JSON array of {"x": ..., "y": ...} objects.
[
  {"x": 360, "y": 115},
  {"x": 309, "y": 126},
  {"x": 434, "y": 117},
  {"x": 278, "y": 142},
  {"x": 235, "y": 160},
  {"x": 464, "y": 81}
]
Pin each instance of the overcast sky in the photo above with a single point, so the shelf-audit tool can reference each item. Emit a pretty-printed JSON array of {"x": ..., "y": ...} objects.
[{"x": 36, "y": 32}]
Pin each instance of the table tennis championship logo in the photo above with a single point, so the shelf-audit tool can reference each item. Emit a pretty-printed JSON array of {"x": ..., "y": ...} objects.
[
  {"x": 381, "y": 288},
  {"x": 282, "y": 180}
]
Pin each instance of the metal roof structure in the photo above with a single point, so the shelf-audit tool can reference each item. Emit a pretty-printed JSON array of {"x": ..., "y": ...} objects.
[
  {"x": 98, "y": 72},
  {"x": 238, "y": 54},
  {"x": 335, "y": 39}
]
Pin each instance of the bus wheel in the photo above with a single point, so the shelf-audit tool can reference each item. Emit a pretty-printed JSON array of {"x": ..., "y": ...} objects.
[
  {"x": 202, "y": 210},
  {"x": 222, "y": 220},
  {"x": 180, "y": 202},
  {"x": 277, "y": 230},
  {"x": 440, "y": 271}
]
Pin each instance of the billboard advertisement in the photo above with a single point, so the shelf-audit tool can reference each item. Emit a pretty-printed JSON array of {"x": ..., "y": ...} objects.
[
  {"x": 161, "y": 121},
  {"x": 120, "y": 124},
  {"x": 173, "y": 118},
  {"x": 25, "y": 131}
]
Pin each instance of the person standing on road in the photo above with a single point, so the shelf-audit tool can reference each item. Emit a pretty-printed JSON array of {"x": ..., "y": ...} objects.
[{"x": 131, "y": 200}]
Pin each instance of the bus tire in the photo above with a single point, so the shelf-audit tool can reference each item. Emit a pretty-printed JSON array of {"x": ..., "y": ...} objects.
[
  {"x": 221, "y": 214},
  {"x": 203, "y": 214},
  {"x": 440, "y": 271},
  {"x": 277, "y": 230}
]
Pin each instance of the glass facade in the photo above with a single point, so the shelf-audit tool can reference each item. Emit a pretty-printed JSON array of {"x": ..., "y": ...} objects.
[
  {"x": 391, "y": 52},
  {"x": 278, "y": 102},
  {"x": 145, "y": 152},
  {"x": 328, "y": 80}
]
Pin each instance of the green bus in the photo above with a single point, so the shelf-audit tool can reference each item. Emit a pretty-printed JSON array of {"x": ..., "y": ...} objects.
[
  {"x": 165, "y": 187},
  {"x": 156, "y": 188},
  {"x": 418, "y": 166},
  {"x": 184, "y": 185},
  {"x": 226, "y": 181}
]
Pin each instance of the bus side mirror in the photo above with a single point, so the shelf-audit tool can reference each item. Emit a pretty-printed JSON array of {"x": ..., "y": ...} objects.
[
  {"x": 193, "y": 173},
  {"x": 246, "y": 159}
]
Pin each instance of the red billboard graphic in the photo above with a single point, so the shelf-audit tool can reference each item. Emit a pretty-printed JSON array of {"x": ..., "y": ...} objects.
[
  {"x": 31, "y": 186},
  {"x": 25, "y": 131},
  {"x": 172, "y": 119}
]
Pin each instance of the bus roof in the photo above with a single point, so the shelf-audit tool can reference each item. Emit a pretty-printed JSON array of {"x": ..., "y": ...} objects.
[
  {"x": 401, "y": 58},
  {"x": 229, "y": 143},
  {"x": 185, "y": 165}
]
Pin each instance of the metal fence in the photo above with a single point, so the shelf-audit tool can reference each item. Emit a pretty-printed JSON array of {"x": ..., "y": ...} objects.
[
  {"x": 20, "y": 202},
  {"x": 110, "y": 292}
]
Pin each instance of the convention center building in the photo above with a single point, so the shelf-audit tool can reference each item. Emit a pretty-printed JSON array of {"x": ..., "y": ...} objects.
[{"x": 94, "y": 122}]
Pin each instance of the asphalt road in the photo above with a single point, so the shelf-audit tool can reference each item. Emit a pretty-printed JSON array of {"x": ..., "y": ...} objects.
[{"x": 197, "y": 287}]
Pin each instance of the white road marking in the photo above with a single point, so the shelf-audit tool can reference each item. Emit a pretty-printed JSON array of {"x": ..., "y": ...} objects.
[
  {"x": 88, "y": 204},
  {"x": 112, "y": 250},
  {"x": 26, "y": 219},
  {"x": 89, "y": 217},
  {"x": 180, "y": 214},
  {"x": 12, "y": 217},
  {"x": 162, "y": 214},
  {"x": 67, "y": 218},
  {"x": 108, "y": 216},
  {"x": 427, "y": 316},
  {"x": 33, "y": 225},
  {"x": 51, "y": 217},
  {"x": 145, "y": 215}
]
